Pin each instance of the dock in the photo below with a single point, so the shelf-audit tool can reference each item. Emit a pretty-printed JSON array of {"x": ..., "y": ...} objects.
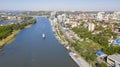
[{"x": 78, "y": 60}]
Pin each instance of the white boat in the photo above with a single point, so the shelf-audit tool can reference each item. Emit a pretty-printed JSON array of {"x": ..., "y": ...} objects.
[{"x": 43, "y": 35}]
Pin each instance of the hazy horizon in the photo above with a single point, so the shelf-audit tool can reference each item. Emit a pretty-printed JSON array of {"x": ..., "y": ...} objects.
[{"x": 62, "y": 5}]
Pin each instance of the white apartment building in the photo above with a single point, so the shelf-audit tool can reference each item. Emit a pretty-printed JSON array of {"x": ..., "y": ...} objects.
[
  {"x": 53, "y": 14},
  {"x": 91, "y": 26},
  {"x": 100, "y": 15},
  {"x": 116, "y": 15}
]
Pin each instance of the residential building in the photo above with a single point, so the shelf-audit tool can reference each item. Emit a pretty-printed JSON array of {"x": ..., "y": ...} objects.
[
  {"x": 100, "y": 16},
  {"x": 114, "y": 60},
  {"x": 116, "y": 16},
  {"x": 91, "y": 26}
]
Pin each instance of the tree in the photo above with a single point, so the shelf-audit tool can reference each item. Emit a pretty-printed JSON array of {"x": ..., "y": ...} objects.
[
  {"x": 99, "y": 28},
  {"x": 103, "y": 65}
]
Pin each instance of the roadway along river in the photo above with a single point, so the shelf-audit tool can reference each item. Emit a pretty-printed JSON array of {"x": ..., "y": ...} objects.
[{"x": 30, "y": 50}]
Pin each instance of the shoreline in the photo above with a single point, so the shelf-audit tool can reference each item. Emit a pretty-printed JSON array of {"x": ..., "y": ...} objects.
[
  {"x": 9, "y": 39},
  {"x": 28, "y": 26},
  {"x": 72, "y": 53}
]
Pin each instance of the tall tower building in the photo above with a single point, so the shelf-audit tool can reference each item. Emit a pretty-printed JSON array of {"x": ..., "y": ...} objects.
[{"x": 91, "y": 26}]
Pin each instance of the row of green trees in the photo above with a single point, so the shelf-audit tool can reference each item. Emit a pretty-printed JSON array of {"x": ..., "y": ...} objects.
[
  {"x": 88, "y": 55},
  {"x": 111, "y": 50},
  {"x": 8, "y": 29},
  {"x": 5, "y": 31}
]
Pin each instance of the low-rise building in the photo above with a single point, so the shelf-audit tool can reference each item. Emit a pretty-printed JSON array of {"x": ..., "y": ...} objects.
[
  {"x": 116, "y": 30},
  {"x": 101, "y": 54},
  {"x": 114, "y": 60}
]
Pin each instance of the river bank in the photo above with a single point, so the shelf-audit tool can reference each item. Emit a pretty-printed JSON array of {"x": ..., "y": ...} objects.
[
  {"x": 9, "y": 39},
  {"x": 28, "y": 26},
  {"x": 60, "y": 36}
]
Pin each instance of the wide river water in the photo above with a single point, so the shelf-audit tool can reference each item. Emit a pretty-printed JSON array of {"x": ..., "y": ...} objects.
[{"x": 30, "y": 50}]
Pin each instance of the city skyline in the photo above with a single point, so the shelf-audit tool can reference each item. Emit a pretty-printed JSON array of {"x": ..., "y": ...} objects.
[{"x": 36, "y": 5}]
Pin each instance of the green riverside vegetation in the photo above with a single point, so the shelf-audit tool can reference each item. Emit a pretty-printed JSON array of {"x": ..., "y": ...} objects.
[
  {"x": 7, "y": 30},
  {"x": 94, "y": 42},
  {"x": 90, "y": 43},
  {"x": 101, "y": 39}
]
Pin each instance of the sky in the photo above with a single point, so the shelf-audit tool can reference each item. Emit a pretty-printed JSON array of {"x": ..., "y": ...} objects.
[{"x": 82, "y": 5}]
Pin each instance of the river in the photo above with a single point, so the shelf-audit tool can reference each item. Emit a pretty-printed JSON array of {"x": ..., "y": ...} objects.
[{"x": 30, "y": 50}]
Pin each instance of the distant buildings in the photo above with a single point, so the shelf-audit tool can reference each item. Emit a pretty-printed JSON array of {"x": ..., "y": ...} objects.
[
  {"x": 100, "y": 16},
  {"x": 108, "y": 17},
  {"x": 14, "y": 18},
  {"x": 7, "y": 18},
  {"x": 116, "y": 16},
  {"x": 59, "y": 17},
  {"x": 53, "y": 14}
]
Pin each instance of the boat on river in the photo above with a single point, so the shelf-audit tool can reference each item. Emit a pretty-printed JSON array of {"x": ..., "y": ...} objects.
[{"x": 43, "y": 35}]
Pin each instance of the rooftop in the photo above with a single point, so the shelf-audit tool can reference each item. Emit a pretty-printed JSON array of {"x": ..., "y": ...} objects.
[
  {"x": 99, "y": 53},
  {"x": 115, "y": 57}
]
